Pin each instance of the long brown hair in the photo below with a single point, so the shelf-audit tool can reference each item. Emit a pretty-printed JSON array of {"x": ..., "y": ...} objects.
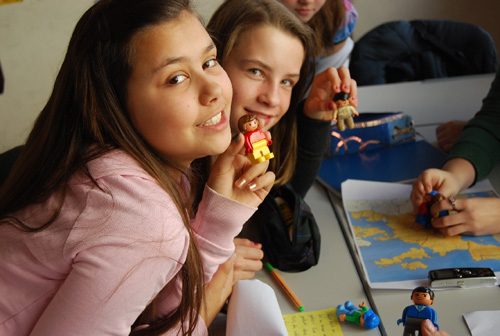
[
  {"x": 326, "y": 22},
  {"x": 228, "y": 23},
  {"x": 86, "y": 116}
]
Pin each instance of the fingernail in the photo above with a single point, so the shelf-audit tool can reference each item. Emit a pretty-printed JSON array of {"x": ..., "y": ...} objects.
[
  {"x": 347, "y": 88},
  {"x": 337, "y": 88},
  {"x": 429, "y": 326},
  {"x": 252, "y": 186},
  {"x": 241, "y": 183}
]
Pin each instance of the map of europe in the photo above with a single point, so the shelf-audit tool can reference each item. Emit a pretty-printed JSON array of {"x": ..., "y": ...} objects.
[{"x": 394, "y": 248}]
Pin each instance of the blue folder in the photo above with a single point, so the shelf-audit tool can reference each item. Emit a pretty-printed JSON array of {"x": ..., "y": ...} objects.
[{"x": 389, "y": 164}]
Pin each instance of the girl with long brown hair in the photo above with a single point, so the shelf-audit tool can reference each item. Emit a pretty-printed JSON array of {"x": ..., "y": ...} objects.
[{"x": 97, "y": 233}]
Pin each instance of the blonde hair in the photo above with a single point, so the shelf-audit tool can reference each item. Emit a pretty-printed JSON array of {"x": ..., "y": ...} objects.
[
  {"x": 228, "y": 23},
  {"x": 326, "y": 22}
]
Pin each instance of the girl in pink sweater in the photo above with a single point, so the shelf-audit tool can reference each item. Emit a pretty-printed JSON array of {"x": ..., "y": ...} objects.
[{"x": 97, "y": 235}]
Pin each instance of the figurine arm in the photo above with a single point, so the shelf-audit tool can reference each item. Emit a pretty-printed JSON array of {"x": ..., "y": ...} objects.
[
  {"x": 335, "y": 114},
  {"x": 264, "y": 136},
  {"x": 248, "y": 144},
  {"x": 433, "y": 318},
  {"x": 403, "y": 318},
  {"x": 353, "y": 110}
]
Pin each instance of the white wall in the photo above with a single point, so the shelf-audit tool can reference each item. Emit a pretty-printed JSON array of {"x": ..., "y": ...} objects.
[
  {"x": 33, "y": 39},
  {"x": 34, "y": 35}
]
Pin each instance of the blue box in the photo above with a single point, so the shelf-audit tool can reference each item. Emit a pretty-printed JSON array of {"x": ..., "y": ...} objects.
[{"x": 371, "y": 131}]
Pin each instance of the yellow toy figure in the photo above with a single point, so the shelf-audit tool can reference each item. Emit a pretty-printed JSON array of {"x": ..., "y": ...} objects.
[
  {"x": 344, "y": 111},
  {"x": 256, "y": 141}
]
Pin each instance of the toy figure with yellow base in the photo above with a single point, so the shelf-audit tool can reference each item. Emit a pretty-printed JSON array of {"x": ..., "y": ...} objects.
[{"x": 256, "y": 141}]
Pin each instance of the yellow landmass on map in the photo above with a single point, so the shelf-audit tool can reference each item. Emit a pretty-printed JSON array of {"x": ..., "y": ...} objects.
[
  {"x": 405, "y": 229},
  {"x": 413, "y": 253}
]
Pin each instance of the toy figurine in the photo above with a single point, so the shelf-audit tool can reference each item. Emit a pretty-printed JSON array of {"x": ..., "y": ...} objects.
[
  {"x": 256, "y": 141},
  {"x": 414, "y": 315},
  {"x": 363, "y": 315},
  {"x": 344, "y": 111},
  {"x": 424, "y": 216}
]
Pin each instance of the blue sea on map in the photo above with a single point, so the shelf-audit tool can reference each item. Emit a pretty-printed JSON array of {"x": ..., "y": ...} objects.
[{"x": 374, "y": 250}]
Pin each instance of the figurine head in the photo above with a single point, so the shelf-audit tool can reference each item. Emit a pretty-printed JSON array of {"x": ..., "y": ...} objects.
[
  {"x": 435, "y": 197},
  {"x": 248, "y": 123},
  {"x": 341, "y": 99},
  {"x": 370, "y": 320},
  {"x": 422, "y": 296}
]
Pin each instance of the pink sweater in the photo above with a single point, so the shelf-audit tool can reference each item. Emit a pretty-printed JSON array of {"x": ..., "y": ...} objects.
[{"x": 94, "y": 270}]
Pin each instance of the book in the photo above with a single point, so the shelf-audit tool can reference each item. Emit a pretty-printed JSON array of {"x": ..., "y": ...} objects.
[{"x": 400, "y": 163}]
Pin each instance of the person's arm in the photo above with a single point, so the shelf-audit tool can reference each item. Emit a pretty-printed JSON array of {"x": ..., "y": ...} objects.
[
  {"x": 313, "y": 141},
  {"x": 218, "y": 220},
  {"x": 120, "y": 259},
  {"x": 479, "y": 141},
  {"x": 234, "y": 191},
  {"x": 313, "y": 119}
]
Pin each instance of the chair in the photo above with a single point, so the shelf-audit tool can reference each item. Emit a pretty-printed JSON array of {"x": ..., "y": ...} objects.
[{"x": 401, "y": 51}]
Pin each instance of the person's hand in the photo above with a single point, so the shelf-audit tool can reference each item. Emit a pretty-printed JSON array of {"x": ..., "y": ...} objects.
[
  {"x": 456, "y": 175},
  {"x": 475, "y": 217},
  {"x": 433, "y": 179},
  {"x": 235, "y": 177},
  {"x": 319, "y": 104},
  {"x": 429, "y": 329},
  {"x": 217, "y": 291},
  {"x": 249, "y": 259},
  {"x": 448, "y": 133}
]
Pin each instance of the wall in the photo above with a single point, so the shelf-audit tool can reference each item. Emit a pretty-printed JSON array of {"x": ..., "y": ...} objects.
[
  {"x": 34, "y": 35},
  {"x": 33, "y": 39}
]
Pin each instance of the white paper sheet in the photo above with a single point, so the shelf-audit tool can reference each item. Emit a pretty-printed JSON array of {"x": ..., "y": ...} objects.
[
  {"x": 483, "y": 323},
  {"x": 254, "y": 311}
]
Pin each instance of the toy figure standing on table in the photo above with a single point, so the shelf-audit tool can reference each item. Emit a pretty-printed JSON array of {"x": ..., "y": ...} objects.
[
  {"x": 256, "y": 141},
  {"x": 363, "y": 315},
  {"x": 414, "y": 315},
  {"x": 424, "y": 216},
  {"x": 344, "y": 112}
]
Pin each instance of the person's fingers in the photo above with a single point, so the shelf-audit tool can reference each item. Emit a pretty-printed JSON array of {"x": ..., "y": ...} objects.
[{"x": 250, "y": 177}]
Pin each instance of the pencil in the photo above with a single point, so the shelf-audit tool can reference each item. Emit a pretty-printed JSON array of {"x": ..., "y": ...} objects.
[{"x": 285, "y": 287}]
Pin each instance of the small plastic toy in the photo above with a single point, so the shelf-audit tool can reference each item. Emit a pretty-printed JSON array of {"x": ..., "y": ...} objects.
[
  {"x": 361, "y": 315},
  {"x": 414, "y": 315},
  {"x": 424, "y": 216},
  {"x": 344, "y": 112},
  {"x": 256, "y": 141}
]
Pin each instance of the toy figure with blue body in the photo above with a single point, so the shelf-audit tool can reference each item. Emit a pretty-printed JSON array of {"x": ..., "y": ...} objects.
[
  {"x": 361, "y": 315},
  {"x": 424, "y": 215},
  {"x": 414, "y": 315}
]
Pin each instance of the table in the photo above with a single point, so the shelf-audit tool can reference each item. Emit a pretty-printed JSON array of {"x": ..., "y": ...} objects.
[
  {"x": 336, "y": 277},
  {"x": 429, "y": 102}
]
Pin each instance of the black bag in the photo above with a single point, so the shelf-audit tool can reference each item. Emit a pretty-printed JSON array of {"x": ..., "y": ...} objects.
[{"x": 289, "y": 234}]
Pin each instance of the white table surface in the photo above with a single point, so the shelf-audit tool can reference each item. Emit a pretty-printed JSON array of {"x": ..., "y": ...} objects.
[{"x": 335, "y": 279}]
